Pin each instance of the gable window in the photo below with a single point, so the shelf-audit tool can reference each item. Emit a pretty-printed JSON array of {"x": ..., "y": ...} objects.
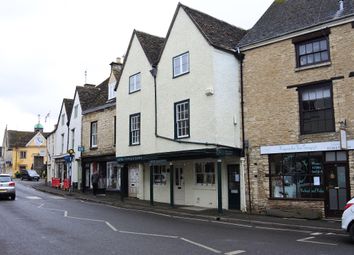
[
  {"x": 312, "y": 52},
  {"x": 62, "y": 143},
  {"x": 76, "y": 109},
  {"x": 63, "y": 119},
  {"x": 316, "y": 109},
  {"x": 182, "y": 119},
  {"x": 205, "y": 173},
  {"x": 93, "y": 134},
  {"x": 134, "y": 129},
  {"x": 73, "y": 138},
  {"x": 181, "y": 64},
  {"x": 111, "y": 92},
  {"x": 23, "y": 154},
  {"x": 134, "y": 83}
]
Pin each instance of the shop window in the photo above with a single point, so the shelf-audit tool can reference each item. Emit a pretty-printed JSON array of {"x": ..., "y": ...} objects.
[
  {"x": 205, "y": 173},
  {"x": 336, "y": 156},
  {"x": 159, "y": 175},
  {"x": 297, "y": 176}
]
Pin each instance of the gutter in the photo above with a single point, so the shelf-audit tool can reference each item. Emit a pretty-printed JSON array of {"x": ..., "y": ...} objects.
[{"x": 153, "y": 72}]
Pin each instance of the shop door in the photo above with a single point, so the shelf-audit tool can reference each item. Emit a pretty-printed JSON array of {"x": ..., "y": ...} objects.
[
  {"x": 179, "y": 186},
  {"x": 336, "y": 177},
  {"x": 234, "y": 186},
  {"x": 133, "y": 180}
]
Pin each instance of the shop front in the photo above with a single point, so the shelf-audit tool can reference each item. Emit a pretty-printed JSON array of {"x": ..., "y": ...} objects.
[{"x": 302, "y": 176}]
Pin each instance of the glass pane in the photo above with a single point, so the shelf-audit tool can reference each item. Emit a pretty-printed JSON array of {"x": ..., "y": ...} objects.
[
  {"x": 342, "y": 198},
  {"x": 333, "y": 199},
  {"x": 341, "y": 156},
  {"x": 303, "y": 60},
  {"x": 316, "y": 46},
  {"x": 277, "y": 186},
  {"x": 309, "y": 48},
  {"x": 316, "y": 163},
  {"x": 289, "y": 187},
  {"x": 275, "y": 164},
  {"x": 289, "y": 163},
  {"x": 302, "y": 49},
  {"x": 323, "y": 45},
  {"x": 301, "y": 165},
  {"x": 318, "y": 57},
  {"x": 330, "y": 156},
  {"x": 342, "y": 183},
  {"x": 324, "y": 56},
  {"x": 310, "y": 59}
]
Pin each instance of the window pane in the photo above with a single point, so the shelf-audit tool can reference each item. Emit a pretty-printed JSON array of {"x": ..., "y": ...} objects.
[
  {"x": 323, "y": 45},
  {"x": 303, "y": 60},
  {"x": 330, "y": 156},
  {"x": 317, "y": 57},
  {"x": 316, "y": 46},
  {"x": 341, "y": 156},
  {"x": 309, "y": 48},
  {"x": 302, "y": 49},
  {"x": 324, "y": 56}
]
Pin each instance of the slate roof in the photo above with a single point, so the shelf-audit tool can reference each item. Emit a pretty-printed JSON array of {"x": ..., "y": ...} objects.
[
  {"x": 20, "y": 138},
  {"x": 217, "y": 32},
  {"x": 68, "y": 104},
  {"x": 284, "y": 17},
  {"x": 152, "y": 46},
  {"x": 87, "y": 96}
]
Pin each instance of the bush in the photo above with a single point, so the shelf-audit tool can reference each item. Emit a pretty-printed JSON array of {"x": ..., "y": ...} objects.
[{"x": 17, "y": 174}]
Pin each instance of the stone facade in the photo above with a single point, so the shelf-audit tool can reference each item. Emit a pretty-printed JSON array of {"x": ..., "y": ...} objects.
[
  {"x": 105, "y": 132},
  {"x": 271, "y": 107}
]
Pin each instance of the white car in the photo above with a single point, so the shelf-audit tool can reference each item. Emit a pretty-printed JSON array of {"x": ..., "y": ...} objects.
[
  {"x": 348, "y": 218},
  {"x": 7, "y": 186}
]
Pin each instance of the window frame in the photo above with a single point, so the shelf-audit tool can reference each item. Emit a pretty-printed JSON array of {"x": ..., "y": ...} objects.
[
  {"x": 138, "y": 130},
  {"x": 180, "y": 56},
  {"x": 159, "y": 174},
  {"x": 93, "y": 136},
  {"x": 23, "y": 154},
  {"x": 176, "y": 126},
  {"x": 62, "y": 142},
  {"x": 308, "y": 41},
  {"x": 302, "y": 112},
  {"x": 135, "y": 87},
  {"x": 206, "y": 175}
]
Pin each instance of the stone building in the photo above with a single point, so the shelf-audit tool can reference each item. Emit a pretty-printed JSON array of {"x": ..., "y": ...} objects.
[
  {"x": 298, "y": 101},
  {"x": 98, "y": 134}
]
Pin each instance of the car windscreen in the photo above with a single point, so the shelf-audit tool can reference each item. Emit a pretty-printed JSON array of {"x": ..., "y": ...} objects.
[
  {"x": 5, "y": 179},
  {"x": 32, "y": 173}
]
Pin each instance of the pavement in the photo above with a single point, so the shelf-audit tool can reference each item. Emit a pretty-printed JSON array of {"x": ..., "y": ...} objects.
[{"x": 331, "y": 225}]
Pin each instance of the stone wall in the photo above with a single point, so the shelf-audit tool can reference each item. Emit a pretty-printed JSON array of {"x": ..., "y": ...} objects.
[
  {"x": 105, "y": 132},
  {"x": 272, "y": 109}
]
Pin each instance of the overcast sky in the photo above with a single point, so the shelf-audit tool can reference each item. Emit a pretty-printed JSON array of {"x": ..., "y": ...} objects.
[{"x": 46, "y": 46}]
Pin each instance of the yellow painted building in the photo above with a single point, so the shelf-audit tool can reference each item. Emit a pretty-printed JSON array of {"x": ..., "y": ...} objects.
[{"x": 24, "y": 150}]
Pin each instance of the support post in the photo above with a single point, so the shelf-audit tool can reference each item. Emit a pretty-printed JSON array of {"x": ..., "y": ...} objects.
[
  {"x": 219, "y": 186},
  {"x": 151, "y": 185},
  {"x": 172, "y": 201}
]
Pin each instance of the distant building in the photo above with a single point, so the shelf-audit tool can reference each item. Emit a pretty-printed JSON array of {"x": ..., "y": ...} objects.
[{"x": 24, "y": 150}]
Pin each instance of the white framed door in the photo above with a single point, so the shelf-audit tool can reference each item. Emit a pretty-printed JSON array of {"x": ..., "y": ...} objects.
[
  {"x": 133, "y": 181},
  {"x": 179, "y": 190}
]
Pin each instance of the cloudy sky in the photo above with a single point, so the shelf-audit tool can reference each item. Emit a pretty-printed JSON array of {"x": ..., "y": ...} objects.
[{"x": 46, "y": 46}]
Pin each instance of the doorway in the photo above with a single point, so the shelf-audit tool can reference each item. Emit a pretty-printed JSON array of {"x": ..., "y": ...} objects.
[
  {"x": 133, "y": 181},
  {"x": 337, "y": 191},
  {"x": 179, "y": 190},
  {"x": 234, "y": 187}
]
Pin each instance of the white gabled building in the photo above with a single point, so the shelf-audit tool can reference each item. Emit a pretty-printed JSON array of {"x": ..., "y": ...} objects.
[{"x": 179, "y": 115}]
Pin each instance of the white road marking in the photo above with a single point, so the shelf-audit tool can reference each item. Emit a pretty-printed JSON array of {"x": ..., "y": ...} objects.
[
  {"x": 111, "y": 226},
  {"x": 33, "y": 197},
  {"x": 188, "y": 218},
  {"x": 285, "y": 229},
  {"x": 233, "y": 224},
  {"x": 40, "y": 206},
  {"x": 200, "y": 245},
  {"x": 147, "y": 234},
  {"x": 57, "y": 197},
  {"x": 235, "y": 252},
  {"x": 307, "y": 240},
  {"x": 316, "y": 234},
  {"x": 87, "y": 219}
]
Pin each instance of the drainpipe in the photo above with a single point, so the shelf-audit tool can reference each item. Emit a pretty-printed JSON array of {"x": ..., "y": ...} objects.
[
  {"x": 240, "y": 56},
  {"x": 153, "y": 72}
]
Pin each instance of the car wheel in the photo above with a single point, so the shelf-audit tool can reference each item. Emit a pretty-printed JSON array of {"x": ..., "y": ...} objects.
[
  {"x": 351, "y": 231},
  {"x": 13, "y": 197},
  {"x": 37, "y": 179}
]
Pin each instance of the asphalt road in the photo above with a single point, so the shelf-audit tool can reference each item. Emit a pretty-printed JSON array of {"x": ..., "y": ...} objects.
[{"x": 40, "y": 223}]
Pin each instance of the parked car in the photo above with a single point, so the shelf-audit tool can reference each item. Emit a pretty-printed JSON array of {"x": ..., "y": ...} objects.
[
  {"x": 30, "y": 175},
  {"x": 7, "y": 186},
  {"x": 348, "y": 218}
]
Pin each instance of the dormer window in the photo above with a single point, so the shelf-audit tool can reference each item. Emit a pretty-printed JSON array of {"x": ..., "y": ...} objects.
[
  {"x": 181, "y": 64},
  {"x": 111, "y": 92},
  {"x": 134, "y": 83}
]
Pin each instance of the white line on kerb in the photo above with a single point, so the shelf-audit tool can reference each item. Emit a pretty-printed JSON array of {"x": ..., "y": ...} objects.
[
  {"x": 201, "y": 245},
  {"x": 40, "y": 206},
  {"x": 111, "y": 226},
  {"x": 235, "y": 252},
  {"x": 307, "y": 240},
  {"x": 147, "y": 234}
]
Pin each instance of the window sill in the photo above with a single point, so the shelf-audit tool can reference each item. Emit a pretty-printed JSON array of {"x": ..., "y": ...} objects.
[
  {"x": 295, "y": 199},
  {"x": 298, "y": 69},
  {"x": 93, "y": 148},
  {"x": 179, "y": 75}
]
